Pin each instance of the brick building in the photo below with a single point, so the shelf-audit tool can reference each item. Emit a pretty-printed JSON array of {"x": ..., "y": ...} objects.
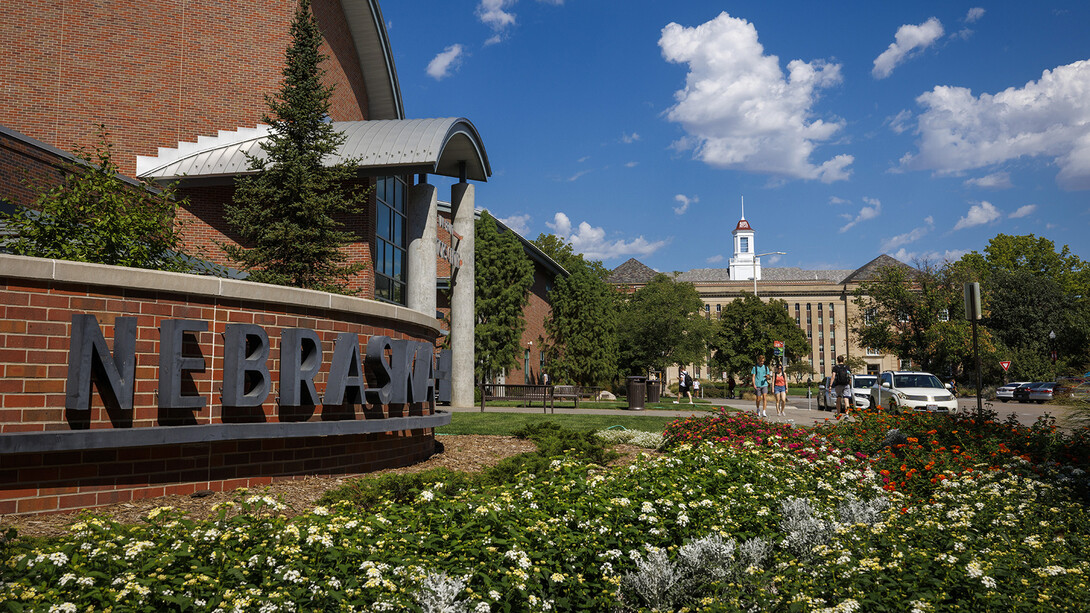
[{"x": 180, "y": 87}]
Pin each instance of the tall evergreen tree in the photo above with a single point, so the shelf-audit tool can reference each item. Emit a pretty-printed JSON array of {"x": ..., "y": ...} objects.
[
  {"x": 285, "y": 212},
  {"x": 502, "y": 288},
  {"x": 582, "y": 329},
  {"x": 582, "y": 325}
]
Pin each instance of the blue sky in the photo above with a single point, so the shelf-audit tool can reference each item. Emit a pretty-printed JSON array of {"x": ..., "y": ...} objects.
[{"x": 852, "y": 129}]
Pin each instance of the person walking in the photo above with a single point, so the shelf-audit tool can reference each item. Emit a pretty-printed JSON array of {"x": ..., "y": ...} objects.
[
  {"x": 842, "y": 385},
  {"x": 779, "y": 388},
  {"x": 684, "y": 386},
  {"x": 730, "y": 387},
  {"x": 759, "y": 378}
]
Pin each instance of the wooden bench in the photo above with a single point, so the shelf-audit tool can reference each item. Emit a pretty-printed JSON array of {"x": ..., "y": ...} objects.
[
  {"x": 527, "y": 393},
  {"x": 566, "y": 392}
]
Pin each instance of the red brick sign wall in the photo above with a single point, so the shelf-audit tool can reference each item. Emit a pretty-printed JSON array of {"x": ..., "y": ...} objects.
[{"x": 38, "y": 299}]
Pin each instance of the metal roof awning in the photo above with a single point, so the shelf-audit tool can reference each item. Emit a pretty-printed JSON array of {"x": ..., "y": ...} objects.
[{"x": 394, "y": 146}]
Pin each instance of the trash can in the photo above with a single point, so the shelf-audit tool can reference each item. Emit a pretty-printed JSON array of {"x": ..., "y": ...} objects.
[
  {"x": 653, "y": 390},
  {"x": 637, "y": 390}
]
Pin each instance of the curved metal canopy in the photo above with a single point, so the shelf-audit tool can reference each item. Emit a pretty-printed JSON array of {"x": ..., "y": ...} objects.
[{"x": 395, "y": 146}]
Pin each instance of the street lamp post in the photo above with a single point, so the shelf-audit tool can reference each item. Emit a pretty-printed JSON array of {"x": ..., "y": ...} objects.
[
  {"x": 1052, "y": 351},
  {"x": 755, "y": 266}
]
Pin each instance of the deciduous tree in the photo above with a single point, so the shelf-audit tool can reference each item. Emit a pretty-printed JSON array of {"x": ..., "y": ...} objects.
[
  {"x": 747, "y": 328},
  {"x": 94, "y": 215},
  {"x": 661, "y": 325}
]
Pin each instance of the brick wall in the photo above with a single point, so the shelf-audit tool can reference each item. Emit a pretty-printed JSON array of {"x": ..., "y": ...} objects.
[
  {"x": 27, "y": 169},
  {"x": 36, "y": 309},
  {"x": 156, "y": 73},
  {"x": 67, "y": 480}
]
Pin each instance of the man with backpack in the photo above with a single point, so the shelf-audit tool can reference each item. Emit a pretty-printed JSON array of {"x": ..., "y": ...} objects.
[
  {"x": 684, "y": 386},
  {"x": 842, "y": 386}
]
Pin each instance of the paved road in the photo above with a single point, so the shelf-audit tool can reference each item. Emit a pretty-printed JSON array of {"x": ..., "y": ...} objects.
[{"x": 798, "y": 412}]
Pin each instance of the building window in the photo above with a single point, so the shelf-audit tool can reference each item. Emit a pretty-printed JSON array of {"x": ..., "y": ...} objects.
[
  {"x": 906, "y": 364},
  {"x": 944, "y": 315},
  {"x": 821, "y": 334},
  {"x": 809, "y": 334},
  {"x": 869, "y": 315},
  {"x": 871, "y": 351},
  {"x": 697, "y": 372},
  {"x": 707, "y": 311},
  {"x": 821, "y": 367},
  {"x": 743, "y": 244},
  {"x": 526, "y": 367},
  {"x": 390, "y": 273},
  {"x": 831, "y": 317},
  {"x": 718, "y": 308}
]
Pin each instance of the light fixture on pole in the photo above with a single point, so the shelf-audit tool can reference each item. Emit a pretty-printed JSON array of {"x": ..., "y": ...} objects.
[{"x": 755, "y": 266}]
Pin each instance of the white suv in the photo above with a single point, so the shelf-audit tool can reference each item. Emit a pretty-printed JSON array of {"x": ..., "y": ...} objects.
[{"x": 919, "y": 391}]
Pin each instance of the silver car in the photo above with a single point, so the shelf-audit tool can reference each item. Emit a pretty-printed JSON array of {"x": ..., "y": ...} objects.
[
  {"x": 920, "y": 391},
  {"x": 859, "y": 392},
  {"x": 1005, "y": 393}
]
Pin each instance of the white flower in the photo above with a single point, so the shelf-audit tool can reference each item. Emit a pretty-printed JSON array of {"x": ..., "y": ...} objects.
[
  {"x": 63, "y": 608},
  {"x": 427, "y": 495},
  {"x": 321, "y": 511}
]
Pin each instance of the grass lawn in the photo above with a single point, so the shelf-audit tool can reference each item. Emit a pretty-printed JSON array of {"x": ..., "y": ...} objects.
[
  {"x": 505, "y": 424},
  {"x": 665, "y": 405}
]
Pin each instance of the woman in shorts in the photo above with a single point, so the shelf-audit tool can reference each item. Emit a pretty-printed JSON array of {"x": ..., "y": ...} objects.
[{"x": 779, "y": 389}]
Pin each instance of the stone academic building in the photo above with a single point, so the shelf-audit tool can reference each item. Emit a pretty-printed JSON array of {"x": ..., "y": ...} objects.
[
  {"x": 120, "y": 383},
  {"x": 822, "y": 302}
]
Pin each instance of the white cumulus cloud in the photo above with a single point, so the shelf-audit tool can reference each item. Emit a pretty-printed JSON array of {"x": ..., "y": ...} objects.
[
  {"x": 683, "y": 203},
  {"x": 1049, "y": 118},
  {"x": 518, "y": 223},
  {"x": 591, "y": 241},
  {"x": 909, "y": 237},
  {"x": 1023, "y": 211},
  {"x": 715, "y": 259},
  {"x": 494, "y": 14},
  {"x": 909, "y": 41},
  {"x": 997, "y": 180},
  {"x": 974, "y": 14},
  {"x": 870, "y": 211},
  {"x": 443, "y": 64},
  {"x": 979, "y": 214},
  {"x": 741, "y": 111}
]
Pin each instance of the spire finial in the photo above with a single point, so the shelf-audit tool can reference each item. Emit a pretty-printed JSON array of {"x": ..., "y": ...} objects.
[{"x": 743, "y": 207}]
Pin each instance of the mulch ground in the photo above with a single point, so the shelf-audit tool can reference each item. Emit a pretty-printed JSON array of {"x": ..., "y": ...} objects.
[{"x": 467, "y": 453}]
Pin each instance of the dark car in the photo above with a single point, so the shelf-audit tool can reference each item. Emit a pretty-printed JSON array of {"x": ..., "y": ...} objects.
[{"x": 1021, "y": 393}]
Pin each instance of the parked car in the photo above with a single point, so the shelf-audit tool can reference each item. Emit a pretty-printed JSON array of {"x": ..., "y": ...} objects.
[
  {"x": 861, "y": 385},
  {"x": 1072, "y": 388},
  {"x": 1021, "y": 393},
  {"x": 920, "y": 391},
  {"x": 1041, "y": 392},
  {"x": 1005, "y": 393},
  {"x": 860, "y": 392}
]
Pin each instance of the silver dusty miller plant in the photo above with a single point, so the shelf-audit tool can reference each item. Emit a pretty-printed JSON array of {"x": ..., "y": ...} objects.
[{"x": 439, "y": 594}]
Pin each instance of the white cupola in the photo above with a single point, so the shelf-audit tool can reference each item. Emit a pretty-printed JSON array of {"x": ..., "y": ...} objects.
[{"x": 743, "y": 264}]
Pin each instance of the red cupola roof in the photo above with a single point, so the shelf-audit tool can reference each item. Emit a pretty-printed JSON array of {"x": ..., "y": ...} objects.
[{"x": 743, "y": 225}]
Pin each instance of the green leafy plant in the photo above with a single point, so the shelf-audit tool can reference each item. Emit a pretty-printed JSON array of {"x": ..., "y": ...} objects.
[{"x": 95, "y": 215}]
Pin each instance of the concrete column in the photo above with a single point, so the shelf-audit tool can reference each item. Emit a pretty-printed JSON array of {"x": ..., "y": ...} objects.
[
  {"x": 462, "y": 314},
  {"x": 423, "y": 208}
]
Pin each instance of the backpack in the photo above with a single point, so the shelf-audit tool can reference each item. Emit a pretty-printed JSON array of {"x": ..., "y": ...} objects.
[
  {"x": 843, "y": 376},
  {"x": 688, "y": 380}
]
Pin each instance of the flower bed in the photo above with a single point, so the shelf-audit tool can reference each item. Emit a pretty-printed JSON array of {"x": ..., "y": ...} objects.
[{"x": 746, "y": 518}]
